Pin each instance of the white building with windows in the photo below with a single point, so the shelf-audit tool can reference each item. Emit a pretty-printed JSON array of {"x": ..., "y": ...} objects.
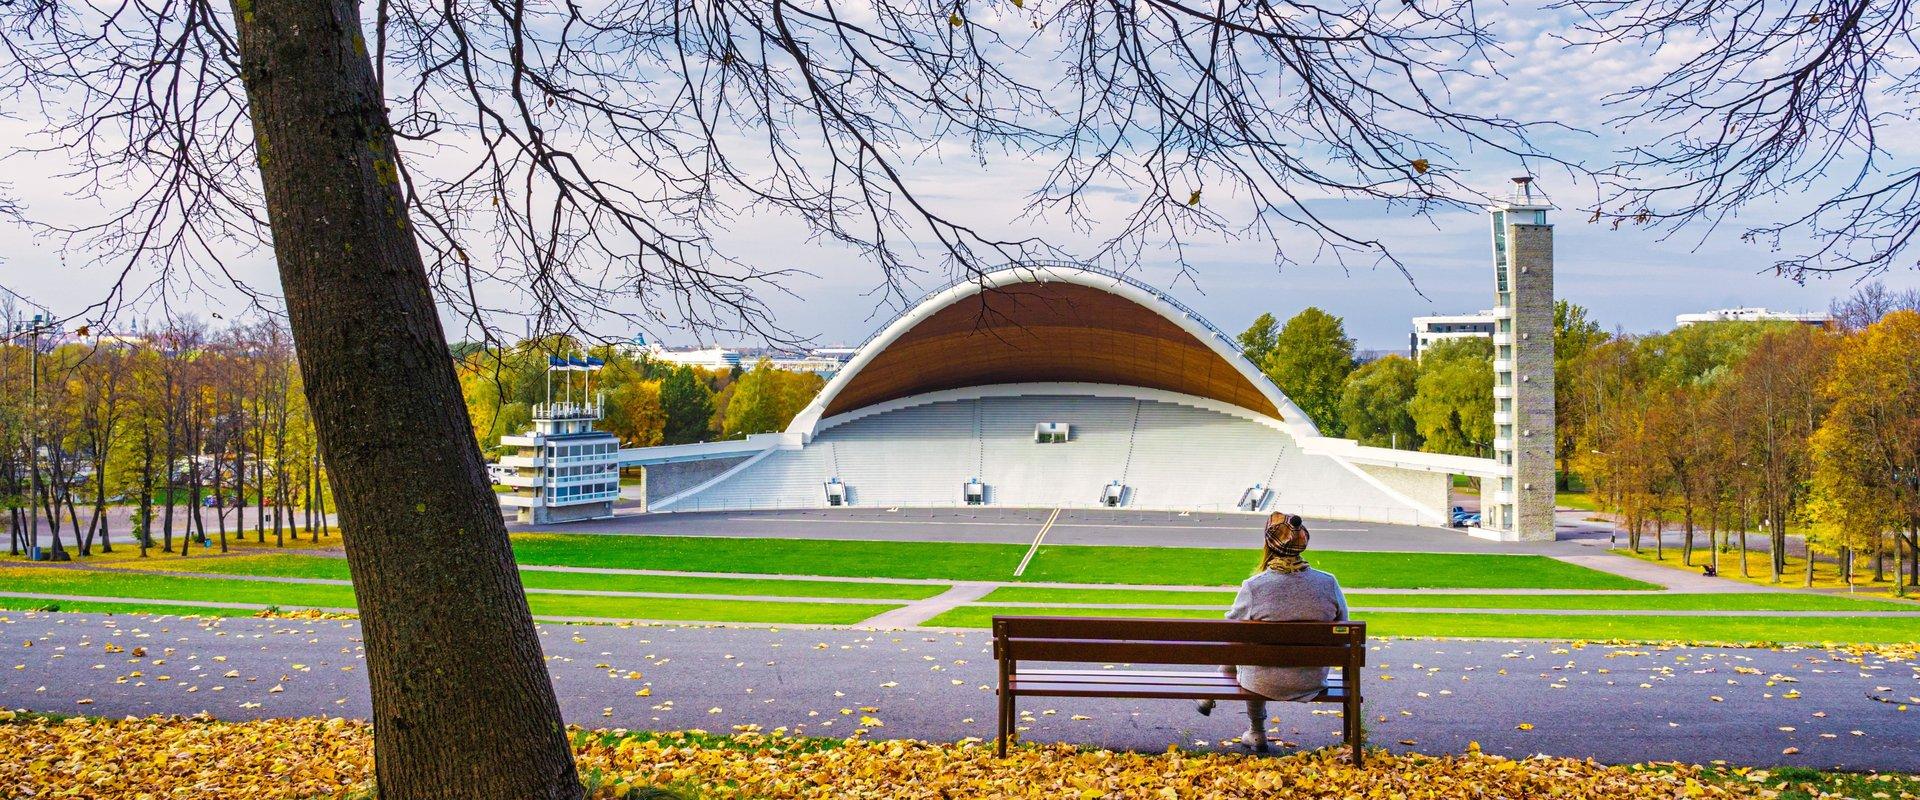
[
  {"x": 1753, "y": 314},
  {"x": 1430, "y": 330},
  {"x": 564, "y": 470}
]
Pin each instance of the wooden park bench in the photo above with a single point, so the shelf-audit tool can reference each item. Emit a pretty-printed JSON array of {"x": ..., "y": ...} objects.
[{"x": 1111, "y": 640}]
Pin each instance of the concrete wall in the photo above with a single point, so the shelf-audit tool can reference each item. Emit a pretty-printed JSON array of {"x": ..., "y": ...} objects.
[
  {"x": 1533, "y": 400},
  {"x": 1432, "y": 490},
  {"x": 554, "y": 514},
  {"x": 667, "y": 480}
]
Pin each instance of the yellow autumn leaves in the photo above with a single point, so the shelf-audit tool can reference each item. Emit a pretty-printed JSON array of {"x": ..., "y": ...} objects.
[{"x": 179, "y": 757}]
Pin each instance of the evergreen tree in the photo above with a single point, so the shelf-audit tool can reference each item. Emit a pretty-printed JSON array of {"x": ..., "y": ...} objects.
[{"x": 688, "y": 405}]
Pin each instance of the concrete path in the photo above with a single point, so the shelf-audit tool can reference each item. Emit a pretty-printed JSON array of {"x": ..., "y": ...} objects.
[
  {"x": 1614, "y": 704},
  {"x": 1674, "y": 580},
  {"x": 918, "y": 612}
]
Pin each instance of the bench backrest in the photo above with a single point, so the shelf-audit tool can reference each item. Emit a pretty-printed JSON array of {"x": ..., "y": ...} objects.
[{"x": 1180, "y": 641}]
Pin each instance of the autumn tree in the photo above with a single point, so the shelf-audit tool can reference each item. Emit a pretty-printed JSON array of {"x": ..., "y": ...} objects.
[
  {"x": 1574, "y": 335},
  {"x": 765, "y": 399},
  {"x": 1779, "y": 383},
  {"x": 1866, "y": 451}
]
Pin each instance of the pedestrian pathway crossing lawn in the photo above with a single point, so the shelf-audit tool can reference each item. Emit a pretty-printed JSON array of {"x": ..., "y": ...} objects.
[
  {"x": 1192, "y": 566},
  {"x": 42, "y": 580},
  {"x": 1859, "y": 630},
  {"x": 303, "y": 566},
  {"x": 1638, "y": 601}
]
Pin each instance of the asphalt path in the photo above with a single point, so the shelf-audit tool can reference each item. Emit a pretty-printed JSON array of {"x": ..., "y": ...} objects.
[{"x": 1613, "y": 704}]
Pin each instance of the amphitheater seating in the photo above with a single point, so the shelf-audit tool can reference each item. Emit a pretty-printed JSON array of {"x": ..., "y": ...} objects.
[{"x": 1169, "y": 455}]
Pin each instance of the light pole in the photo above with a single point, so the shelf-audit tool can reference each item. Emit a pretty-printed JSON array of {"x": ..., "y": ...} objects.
[{"x": 32, "y": 330}]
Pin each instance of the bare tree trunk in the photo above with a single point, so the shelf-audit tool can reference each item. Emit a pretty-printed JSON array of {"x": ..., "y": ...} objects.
[
  {"x": 260, "y": 472},
  {"x": 141, "y": 530},
  {"x": 166, "y": 527},
  {"x": 463, "y": 705},
  {"x": 1686, "y": 544}
]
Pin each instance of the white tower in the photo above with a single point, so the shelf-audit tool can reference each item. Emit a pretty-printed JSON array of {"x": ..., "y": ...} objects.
[{"x": 1519, "y": 506}]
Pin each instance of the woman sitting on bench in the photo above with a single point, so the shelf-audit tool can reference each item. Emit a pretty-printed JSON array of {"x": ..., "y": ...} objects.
[{"x": 1284, "y": 590}]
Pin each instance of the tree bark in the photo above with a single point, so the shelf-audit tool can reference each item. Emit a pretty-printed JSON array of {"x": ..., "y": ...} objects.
[{"x": 463, "y": 705}]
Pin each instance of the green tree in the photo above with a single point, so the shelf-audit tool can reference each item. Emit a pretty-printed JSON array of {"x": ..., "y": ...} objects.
[
  {"x": 1375, "y": 403},
  {"x": 1452, "y": 406},
  {"x": 1310, "y": 361},
  {"x": 688, "y": 405},
  {"x": 1258, "y": 339}
]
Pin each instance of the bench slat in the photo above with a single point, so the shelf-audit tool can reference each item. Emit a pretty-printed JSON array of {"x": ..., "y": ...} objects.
[
  {"x": 1141, "y": 676},
  {"x": 1154, "y": 651},
  {"x": 1330, "y": 694},
  {"x": 1187, "y": 630}
]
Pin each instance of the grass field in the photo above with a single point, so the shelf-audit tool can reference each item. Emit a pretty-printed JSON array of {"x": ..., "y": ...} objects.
[
  {"x": 1067, "y": 564},
  {"x": 294, "y": 595},
  {"x": 1639, "y": 601},
  {"x": 303, "y": 566},
  {"x": 156, "y": 607},
  {"x": 1535, "y": 626}
]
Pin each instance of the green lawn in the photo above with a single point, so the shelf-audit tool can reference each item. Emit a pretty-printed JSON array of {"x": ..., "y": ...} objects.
[
  {"x": 301, "y": 566},
  {"x": 26, "y": 604},
  {"x": 1044, "y": 594},
  {"x": 560, "y": 605},
  {"x": 1060, "y": 563},
  {"x": 1537, "y": 626},
  {"x": 166, "y": 587},
  {"x": 1650, "y": 601},
  {"x": 771, "y": 556},
  {"x": 47, "y": 580},
  {"x": 1575, "y": 500},
  {"x": 1203, "y": 566}
]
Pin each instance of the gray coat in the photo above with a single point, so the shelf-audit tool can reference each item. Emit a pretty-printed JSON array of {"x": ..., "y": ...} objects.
[{"x": 1305, "y": 596}]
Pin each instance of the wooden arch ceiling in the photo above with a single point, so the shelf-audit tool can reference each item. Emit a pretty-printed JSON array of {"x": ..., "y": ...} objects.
[{"x": 1045, "y": 333}]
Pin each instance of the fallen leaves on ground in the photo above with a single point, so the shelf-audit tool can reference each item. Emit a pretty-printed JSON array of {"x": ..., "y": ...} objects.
[{"x": 310, "y": 757}]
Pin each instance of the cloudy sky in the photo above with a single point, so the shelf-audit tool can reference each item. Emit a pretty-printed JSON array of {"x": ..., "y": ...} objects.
[{"x": 1634, "y": 280}]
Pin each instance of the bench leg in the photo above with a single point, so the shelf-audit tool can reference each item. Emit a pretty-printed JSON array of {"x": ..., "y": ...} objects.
[
  {"x": 1006, "y": 723},
  {"x": 1356, "y": 736}
]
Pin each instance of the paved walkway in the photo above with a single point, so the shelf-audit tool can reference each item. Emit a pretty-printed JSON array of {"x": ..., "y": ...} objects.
[{"x": 1614, "y": 704}]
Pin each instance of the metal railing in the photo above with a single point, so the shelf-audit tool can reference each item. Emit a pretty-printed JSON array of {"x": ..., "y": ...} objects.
[
  {"x": 1312, "y": 511},
  {"x": 567, "y": 411}
]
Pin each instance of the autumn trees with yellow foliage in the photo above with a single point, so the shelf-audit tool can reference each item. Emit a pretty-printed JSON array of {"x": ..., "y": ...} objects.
[{"x": 1794, "y": 431}]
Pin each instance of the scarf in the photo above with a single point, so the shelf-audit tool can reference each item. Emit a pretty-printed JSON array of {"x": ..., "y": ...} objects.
[{"x": 1284, "y": 563}]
